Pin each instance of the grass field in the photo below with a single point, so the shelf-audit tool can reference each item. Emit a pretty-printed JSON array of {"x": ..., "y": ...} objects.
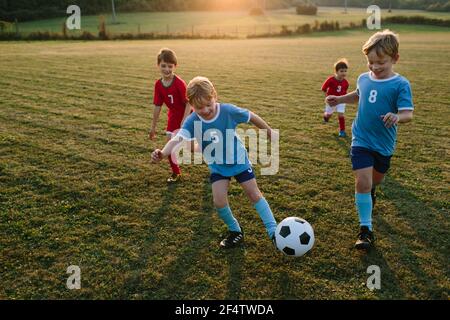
[
  {"x": 210, "y": 23},
  {"x": 77, "y": 186}
]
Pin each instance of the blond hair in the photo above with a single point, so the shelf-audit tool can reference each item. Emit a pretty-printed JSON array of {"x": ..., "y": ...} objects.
[
  {"x": 341, "y": 64},
  {"x": 384, "y": 42},
  {"x": 199, "y": 89}
]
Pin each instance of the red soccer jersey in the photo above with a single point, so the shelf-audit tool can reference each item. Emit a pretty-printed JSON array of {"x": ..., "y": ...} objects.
[
  {"x": 174, "y": 97},
  {"x": 333, "y": 86}
]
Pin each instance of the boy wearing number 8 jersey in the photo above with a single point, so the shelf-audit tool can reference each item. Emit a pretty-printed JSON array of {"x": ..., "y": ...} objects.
[{"x": 384, "y": 100}]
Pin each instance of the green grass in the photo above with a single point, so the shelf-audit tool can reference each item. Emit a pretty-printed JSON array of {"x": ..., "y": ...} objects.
[
  {"x": 210, "y": 23},
  {"x": 77, "y": 186}
]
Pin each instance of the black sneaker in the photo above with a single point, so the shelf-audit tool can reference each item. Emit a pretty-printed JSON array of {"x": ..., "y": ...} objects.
[
  {"x": 374, "y": 197},
  {"x": 365, "y": 239},
  {"x": 234, "y": 239},
  {"x": 274, "y": 241}
]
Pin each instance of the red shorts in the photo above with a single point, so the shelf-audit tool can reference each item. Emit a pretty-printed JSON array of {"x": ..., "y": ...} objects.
[{"x": 174, "y": 121}]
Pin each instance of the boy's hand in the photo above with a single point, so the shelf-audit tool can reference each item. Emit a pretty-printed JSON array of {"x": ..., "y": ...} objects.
[
  {"x": 157, "y": 156},
  {"x": 390, "y": 119},
  {"x": 152, "y": 134},
  {"x": 332, "y": 100}
]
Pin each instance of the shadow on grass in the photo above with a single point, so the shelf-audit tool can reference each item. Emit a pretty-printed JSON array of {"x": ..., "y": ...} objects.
[
  {"x": 173, "y": 284},
  {"x": 390, "y": 283},
  {"x": 429, "y": 232},
  {"x": 134, "y": 283},
  {"x": 288, "y": 291},
  {"x": 235, "y": 260},
  {"x": 419, "y": 217}
]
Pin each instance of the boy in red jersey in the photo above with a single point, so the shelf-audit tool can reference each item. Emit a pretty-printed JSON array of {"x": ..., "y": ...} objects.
[
  {"x": 337, "y": 85},
  {"x": 170, "y": 90}
]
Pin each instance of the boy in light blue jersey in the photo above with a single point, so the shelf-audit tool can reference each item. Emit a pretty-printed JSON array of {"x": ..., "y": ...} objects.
[
  {"x": 384, "y": 100},
  {"x": 213, "y": 125}
]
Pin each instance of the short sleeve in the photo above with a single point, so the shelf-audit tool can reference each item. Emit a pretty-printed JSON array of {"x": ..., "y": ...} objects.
[
  {"x": 158, "y": 99},
  {"x": 187, "y": 130},
  {"x": 325, "y": 85},
  {"x": 239, "y": 115},
  {"x": 357, "y": 85},
  {"x": 404, "y": 100}
]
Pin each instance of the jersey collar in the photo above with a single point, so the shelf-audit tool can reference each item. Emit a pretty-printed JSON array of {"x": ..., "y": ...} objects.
[{"x": 381, "y": 80}]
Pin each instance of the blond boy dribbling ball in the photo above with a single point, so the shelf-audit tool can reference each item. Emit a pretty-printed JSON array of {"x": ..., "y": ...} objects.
[{"x": 215, "y": 123}]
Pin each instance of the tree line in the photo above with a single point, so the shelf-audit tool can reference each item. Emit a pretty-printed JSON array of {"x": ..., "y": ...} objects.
[{"x": 24, "y": 10}]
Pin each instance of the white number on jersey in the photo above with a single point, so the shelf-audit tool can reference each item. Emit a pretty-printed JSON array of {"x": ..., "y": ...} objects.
[
  {"x": 339, "y": 89},
  {"x": 373, "y": 96},
  {"x": 214, "y": 137},
  {"x": 171, "y": 98}
]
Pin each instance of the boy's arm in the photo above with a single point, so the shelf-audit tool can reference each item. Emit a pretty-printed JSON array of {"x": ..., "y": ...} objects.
[
  {"x": 351, "y": 97},
  {"x": 156, "y": 113},
  {"x": 325, "y": 85},
  {"x": 260, "y": 123},
  {"x": 403, "y": 116},
  {"x": 170, "y": 146},
  {"x": 187, "y": 112}
]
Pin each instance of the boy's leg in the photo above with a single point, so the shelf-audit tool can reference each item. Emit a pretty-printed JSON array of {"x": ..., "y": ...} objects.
[
  {"x": 380, "y": 167},
  {"x": 220, "y": 186},
  {"x": 363, "y": 200},
  {"x": 176, "y": 171},
  {"x": 377, "y": 178},
  {"x": 261, "y": 205},
  {"x": 364, "y": 206},
  {"x": 327, "y": 113},
  {"x": 220, "y": 198},
  {"x": 362, "y": 165},
  {"x": 340, "y": 108}
]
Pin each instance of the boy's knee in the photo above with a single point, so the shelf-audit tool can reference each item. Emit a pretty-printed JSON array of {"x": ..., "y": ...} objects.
[
  {"x": 363, "y": 185},
  {"x": 220, "y": 203},
  {"x": 254, "y": 196}
]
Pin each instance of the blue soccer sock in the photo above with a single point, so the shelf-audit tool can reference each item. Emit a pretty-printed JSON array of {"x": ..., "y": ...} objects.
[
  {"x": 227, "y": 217},
  {"x": 364, "y": 207},
  {"x": 266, "y": 216}
]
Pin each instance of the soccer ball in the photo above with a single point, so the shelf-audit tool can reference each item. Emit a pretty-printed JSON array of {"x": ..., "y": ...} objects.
[{"x": 294, "y": 236}]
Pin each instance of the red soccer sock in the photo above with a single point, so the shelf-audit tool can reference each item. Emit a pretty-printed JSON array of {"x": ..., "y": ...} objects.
[
  {"x": 174, "y": 166},
  {"x": 341, "y": 123}
]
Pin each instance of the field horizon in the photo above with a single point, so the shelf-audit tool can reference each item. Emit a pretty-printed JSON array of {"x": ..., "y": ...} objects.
[{"x": 234, "y": 23}]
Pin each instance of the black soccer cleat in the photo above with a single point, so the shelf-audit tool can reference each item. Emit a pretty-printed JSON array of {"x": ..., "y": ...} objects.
[
  {"x": 374, "y": 197},
  {"x": 234, "y": 239},
  {"x": 274, "y": 241},
  {"x": 365, "y": 239}
]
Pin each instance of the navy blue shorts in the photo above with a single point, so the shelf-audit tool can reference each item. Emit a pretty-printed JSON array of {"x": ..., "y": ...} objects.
[
  {"x": 241, "y": 177},
  {"x": 364, "y": 158}
]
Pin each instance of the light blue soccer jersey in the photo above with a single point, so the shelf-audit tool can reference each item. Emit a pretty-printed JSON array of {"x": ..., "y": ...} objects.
[
  {"x": 376, "y": 98},
  {"x": 222, "y": 149}
]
